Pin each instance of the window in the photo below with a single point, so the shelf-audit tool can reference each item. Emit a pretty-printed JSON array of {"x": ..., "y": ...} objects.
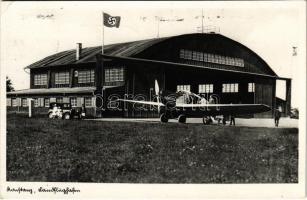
[
  {"x": 195, "y": 55},
  {"x": 114, "y": 74},
  {"x": 36, "y": 102},
  {"x": 205, "y": 57},
  {"x": 61, "y": 78},
  {"x": 220, "y": 59},
  {"x": 24, "y": 102},
  {"x": 88, "y": 101},
  {"x": 205, "y": 88},
  {"x": 223, "y": 60},
  {"x": 86, "y": 76},
  {"x": 215, "y": 58},
  {"x": 40, "y": 79},
  {"x": 183, "y": 88},
  {"x": 59, "y": 99},
  {"x": 73, "y": 101},
  {"x": 198, "y": 56},
  {"x": 230, "y": 87},
  {"x": 8, "y": 102},
  {"x": 251, "y": 87},
  {"x": 14, "y": 102},
  {"x": 47, "y": 102},
  {"x": 181, "y": 53},
  {"x": 188, "y": 55},
  {"x": 232, "y": 61},
  {"x": 212, "y": 58}
]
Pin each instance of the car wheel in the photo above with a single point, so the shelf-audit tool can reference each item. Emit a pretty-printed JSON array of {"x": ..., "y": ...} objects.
[
  {"x": 66, "y": 116},
  {"x": 163, "y": 118},
  {"x": 182, "y": 119}
]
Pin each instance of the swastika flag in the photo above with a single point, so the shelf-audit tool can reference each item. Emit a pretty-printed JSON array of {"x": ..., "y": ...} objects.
[{"x": 111, "y": 21}]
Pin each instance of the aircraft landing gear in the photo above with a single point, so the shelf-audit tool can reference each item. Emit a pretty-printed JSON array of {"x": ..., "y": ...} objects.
[
  {"x": 182, "y": 119},
  {"x": 163, "y": 118},
  {"x": 207, "y": 120}
]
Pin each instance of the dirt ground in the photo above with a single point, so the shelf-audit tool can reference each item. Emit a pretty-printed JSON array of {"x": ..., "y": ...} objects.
[{"x": 253, "y": 122}]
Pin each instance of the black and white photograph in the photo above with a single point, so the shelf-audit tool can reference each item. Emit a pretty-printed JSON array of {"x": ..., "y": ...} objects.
[{"x": 103, "y": 97}]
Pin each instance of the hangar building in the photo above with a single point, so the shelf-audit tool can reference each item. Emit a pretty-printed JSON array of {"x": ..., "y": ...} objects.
[{"x": 201, "y": 63}]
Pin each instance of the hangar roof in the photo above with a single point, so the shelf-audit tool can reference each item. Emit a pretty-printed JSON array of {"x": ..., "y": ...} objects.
[
  {"x": 88, "y": 54},
  {"x": 53, "y": 91},
  {"x": 216, "y": 42},
  {"x": 41, "y": 91}
]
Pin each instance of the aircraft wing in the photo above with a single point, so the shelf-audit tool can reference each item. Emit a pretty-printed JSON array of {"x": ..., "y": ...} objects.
[
  {"x": 227, "y": 108},
  {"x": 142, "y": 102}
]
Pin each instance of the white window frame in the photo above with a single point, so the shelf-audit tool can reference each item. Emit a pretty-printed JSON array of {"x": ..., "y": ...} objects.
[
  {"x": 14, "y": 102},
  {"x": 188, "y": 54},
  {"x": 87, "y": 100},
  {"x": 86, "y": 76},
  {"x": 73, "y": 101},
  {"x": 211, "y": 58},
  {"x": 40, "y": 79},
  {"x": 230, "y": 87},
  {"x": 195, "y": 56},
  {"x": 205, "y": 57},
  {"x": 184, "y": 88},
  {"x": 182, "y": 53},
  {"x": 47, "y": 102},
  {"x": 114, "y": 74},
  {"x": 36, "y": 102},
  {"x": 59, "y": 100},
  {"x": 61, "y": 78},
  {"x": 251, "y": 87},
  {"x": 24, "y": 102},
  {"x": 205, "y": 88},
  {"x": 9, "y": 102}
]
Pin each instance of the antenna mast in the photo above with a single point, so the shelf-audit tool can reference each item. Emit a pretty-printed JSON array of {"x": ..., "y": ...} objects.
[{"x": 202, "y": 20}]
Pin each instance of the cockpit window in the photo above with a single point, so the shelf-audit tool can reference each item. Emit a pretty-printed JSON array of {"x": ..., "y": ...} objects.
[{"x": 184, "y": 99}]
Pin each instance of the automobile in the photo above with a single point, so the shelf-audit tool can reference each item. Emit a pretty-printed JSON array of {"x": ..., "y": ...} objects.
[
  {"x": 294, "y": 113},
  {"x": 64, "y": 111}
]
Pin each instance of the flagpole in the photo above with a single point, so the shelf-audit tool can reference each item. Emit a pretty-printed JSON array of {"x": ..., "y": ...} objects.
[{"x": 102, "y": 63}]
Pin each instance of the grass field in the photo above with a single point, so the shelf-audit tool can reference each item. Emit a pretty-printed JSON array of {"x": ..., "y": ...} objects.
[{"x": 40, "y": 149}]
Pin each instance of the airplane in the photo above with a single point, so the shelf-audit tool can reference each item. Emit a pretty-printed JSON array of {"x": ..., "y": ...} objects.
[{"x": 185, "y": 104}]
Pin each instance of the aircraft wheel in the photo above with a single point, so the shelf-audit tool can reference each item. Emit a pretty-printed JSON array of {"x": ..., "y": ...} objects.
[
  {"x": 206, "y": 120},
  {"x": 163, "y": 118},
  {"x": 66, "y": 116},
  {"x": 182, "y": 119}
]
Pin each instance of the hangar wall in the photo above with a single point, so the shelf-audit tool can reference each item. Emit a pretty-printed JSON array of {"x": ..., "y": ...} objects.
[{"x": 196, "y": 59}]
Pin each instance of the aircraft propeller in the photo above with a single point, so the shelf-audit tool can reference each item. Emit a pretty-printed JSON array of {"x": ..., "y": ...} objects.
[{"x": 157, "y": 91}]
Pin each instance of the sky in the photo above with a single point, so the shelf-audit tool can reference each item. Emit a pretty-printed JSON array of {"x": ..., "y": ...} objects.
[{"x": 31, "y": 31}]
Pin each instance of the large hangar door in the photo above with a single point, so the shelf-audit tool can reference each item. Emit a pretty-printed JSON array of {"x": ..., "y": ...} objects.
[
  {"x": 264, "y": 94},
  {"x": 283, "y": 96}
]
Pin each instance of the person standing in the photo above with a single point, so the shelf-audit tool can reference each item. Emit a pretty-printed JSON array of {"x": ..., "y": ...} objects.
[
  {"x": 83, "y": 111},
  {"x": 232, "y": 120},
  {"x": 224, "y": 120},
  {"x": 277, "y": 117}
]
